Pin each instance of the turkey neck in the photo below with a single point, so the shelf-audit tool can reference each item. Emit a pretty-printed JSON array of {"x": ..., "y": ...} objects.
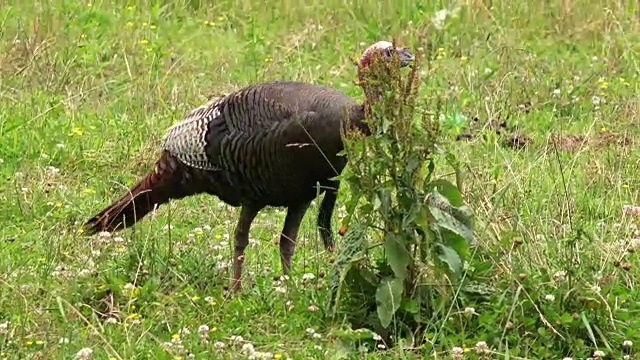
[{"x": 371, "y": 93}]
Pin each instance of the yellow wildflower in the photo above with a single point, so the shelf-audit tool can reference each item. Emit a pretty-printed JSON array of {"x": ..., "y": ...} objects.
[
  {"x": 76, "y": 131},
  {"x": 144, "y": 41}
]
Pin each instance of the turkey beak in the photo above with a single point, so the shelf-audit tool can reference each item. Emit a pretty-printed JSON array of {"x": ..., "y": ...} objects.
[{"x": 406, "y": 58}]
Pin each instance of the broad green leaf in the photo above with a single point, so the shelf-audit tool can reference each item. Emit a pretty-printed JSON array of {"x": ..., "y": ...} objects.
[
  {"x": 454, "y": 219},
  {"x": 449, "y": 191},
  {"x": 397, "y": 254},
  {"x": 456, "y": 242},
  {"x": 388, "y": 299},
  {"x": 410, "y": 305},
  {"x": 451, "y": 258}
]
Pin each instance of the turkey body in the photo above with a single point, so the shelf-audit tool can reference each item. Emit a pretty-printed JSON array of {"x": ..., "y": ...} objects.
[
  {"x": 270, "y": 144},
  {"x": 266, "y": 145}
]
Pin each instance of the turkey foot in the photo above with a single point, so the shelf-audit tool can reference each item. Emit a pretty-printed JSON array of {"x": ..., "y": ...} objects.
[{"x": 247, "y": 214}]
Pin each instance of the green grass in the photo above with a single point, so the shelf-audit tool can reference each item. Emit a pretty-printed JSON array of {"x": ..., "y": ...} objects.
[{"x": 87, "y": 90}]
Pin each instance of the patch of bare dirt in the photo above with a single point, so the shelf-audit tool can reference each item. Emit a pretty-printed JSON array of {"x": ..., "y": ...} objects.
[
  {"x": 575, "y": 142},
  {"x": 509, "y": 136}
]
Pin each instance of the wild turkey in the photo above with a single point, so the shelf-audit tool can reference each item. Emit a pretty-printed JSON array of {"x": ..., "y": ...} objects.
[{"x": 268, "y": 144}]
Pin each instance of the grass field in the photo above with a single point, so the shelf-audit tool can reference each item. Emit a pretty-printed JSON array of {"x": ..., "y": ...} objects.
[{"x": 88, "y": 88}]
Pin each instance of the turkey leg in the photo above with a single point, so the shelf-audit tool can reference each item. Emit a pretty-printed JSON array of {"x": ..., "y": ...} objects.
[
  {"x": 289, "y": 235},
  {"x": 326, "y": 211},
  {"x": 247, "y": 214}
]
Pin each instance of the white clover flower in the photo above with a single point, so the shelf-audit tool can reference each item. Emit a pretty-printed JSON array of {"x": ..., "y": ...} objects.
[
  {"x": 550, "y": 297},
  {"x": 627, "y": 343},
  {"x": 470, "y": 311},
  {"x": 4, "y": 327},
  {"x": 219, "y": 345},
  {"x": 559, "y": 275},
  {"x": 203, "y": 330},
  {"x": 308, "y": 276},
  {"x": 248, "y": 349},
  {"x": 289, "y": 305},
  {"x": 84, "y": 354},
  {"x": 481, "y": 347},
  {"x": 598, "y": 354},
  {"x": 457, "y": 352}
]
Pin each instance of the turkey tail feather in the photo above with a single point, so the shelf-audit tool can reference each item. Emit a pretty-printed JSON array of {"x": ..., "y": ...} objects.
[{"x": 155, "y": 189}]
